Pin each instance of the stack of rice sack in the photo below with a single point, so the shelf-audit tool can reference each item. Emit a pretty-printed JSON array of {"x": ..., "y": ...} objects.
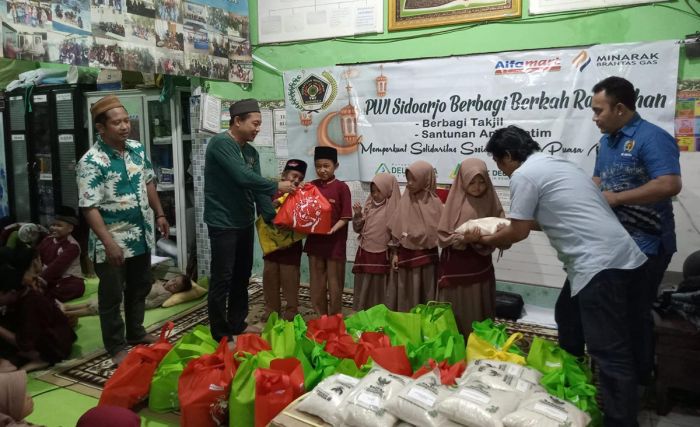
[
  {"x": 496, "y": 389},
  {"x": 484, "y": 395}
]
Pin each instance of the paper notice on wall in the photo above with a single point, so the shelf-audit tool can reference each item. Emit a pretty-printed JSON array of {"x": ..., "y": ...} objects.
[
  {"x": 265, "y": 136},
  {"x": 281, "y": 149},
  {"x": 210, "y": 118},
  {"x": 280, "y": 120},
  {"x": 285, "y": 20},
  {"x": 281, "y": 163}
]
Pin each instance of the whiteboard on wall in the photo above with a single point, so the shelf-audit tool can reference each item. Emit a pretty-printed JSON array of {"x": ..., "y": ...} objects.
[
  {"x": 292, "y": 20},
  {"x": 551, "y": 6}
]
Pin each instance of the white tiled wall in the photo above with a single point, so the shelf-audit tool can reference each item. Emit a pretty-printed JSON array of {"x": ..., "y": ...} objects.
[{"x": 199, "y": 147}]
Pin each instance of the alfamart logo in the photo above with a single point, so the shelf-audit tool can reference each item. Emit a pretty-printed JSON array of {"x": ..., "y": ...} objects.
[
  {"x": 581, "y": 61},
  {"x": 528, "y": 66}
]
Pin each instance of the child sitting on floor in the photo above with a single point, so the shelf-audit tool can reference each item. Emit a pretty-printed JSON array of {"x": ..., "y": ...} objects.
[
  {"x": 37, "y": 333},
  {"x": 60, "y": 258}
]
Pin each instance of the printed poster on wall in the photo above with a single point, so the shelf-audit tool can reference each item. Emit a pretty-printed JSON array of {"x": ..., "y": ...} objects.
[
  {"x": 206, "y": 38},
  {"x": 688, "y": 115},
  {"x": 383, "y": 117},
  {"x": 552, "y": 6}
]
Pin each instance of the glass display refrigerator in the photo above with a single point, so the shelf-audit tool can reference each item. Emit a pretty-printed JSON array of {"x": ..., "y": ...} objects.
[{"x": 164, "y": 129}]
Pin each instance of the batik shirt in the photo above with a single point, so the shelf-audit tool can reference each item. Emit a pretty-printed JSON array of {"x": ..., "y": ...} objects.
[
  {"x": 116, "y": 185},
  {"x": 638, "y": 153}
]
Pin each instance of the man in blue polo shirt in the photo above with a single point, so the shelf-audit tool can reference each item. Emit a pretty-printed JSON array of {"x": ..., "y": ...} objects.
[{"x": 637, "y": 170}]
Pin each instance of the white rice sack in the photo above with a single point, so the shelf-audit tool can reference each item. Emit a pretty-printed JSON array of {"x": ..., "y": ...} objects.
[
  {"x": 487, "y": 226},
  {"x": 325, "y": 399},
  {"x": 417, "y": 402},
  {"x": 498, "y": 379},
  {"x": 476, "y": 404},
  {"x": 519, "y": 371},
  {"x": 365, "y": 406},
  {"x": 545, "y": 410}
]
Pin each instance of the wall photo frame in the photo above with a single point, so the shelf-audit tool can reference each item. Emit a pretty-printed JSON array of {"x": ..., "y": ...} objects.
[{"x": 411, "y": 14}]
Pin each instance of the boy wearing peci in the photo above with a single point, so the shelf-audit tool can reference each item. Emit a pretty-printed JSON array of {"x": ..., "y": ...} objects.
[
  {"x": 327, "y": 252},
  {"x": 281, "y": 268}
]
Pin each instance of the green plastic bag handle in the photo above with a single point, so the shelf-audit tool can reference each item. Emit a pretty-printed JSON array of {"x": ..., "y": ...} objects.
[
  {"x": 203, "y": 348},
  {"x": 202, "y": 335}
]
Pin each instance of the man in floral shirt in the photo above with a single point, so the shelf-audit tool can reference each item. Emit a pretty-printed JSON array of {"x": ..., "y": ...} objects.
[{"x": 117, "y": 192}]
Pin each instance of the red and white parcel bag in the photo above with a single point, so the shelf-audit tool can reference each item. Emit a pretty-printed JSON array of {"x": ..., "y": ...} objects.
[{"x": 305, "y": 211}]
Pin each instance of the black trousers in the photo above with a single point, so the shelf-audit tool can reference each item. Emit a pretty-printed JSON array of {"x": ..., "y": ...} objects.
[
  {"x": 230, "y": 269},
  {"x": 603, "y": 316},
  {"x": 131, "y": 281}
]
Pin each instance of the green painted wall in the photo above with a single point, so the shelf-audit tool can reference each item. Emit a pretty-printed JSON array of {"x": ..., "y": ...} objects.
[{"x": 662, "y": 21}]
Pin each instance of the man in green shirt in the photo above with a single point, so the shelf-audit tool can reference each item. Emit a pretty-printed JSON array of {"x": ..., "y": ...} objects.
[
  {"x": 233, "y": 189},
  {"x": 117, "y": 190}
]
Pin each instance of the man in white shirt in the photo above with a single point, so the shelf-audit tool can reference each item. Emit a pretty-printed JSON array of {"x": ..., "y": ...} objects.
[{"x": 602, "y": 262}]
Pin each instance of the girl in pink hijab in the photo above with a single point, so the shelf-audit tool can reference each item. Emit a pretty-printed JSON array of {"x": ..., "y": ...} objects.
[
  {"x": 372, "y": 267},
  {"x": 414, "y": 232},
  {"x": 465, "y": 274}
]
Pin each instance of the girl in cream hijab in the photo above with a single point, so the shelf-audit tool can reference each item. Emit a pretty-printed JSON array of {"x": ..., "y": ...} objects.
[
  {"x": 414, "y": 232},
  {"x": 465, "y": 274},
  {"x": 372, "y": 268}
]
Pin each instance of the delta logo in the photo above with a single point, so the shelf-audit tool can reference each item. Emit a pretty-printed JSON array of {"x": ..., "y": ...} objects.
[
  {"x": 383, "y": 168},
  {"x": 581, "y": 61},
  {"x": 528, "y": 66}
]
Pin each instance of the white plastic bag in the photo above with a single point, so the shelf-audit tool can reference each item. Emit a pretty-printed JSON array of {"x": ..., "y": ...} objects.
[
  {"x": 496, "y": 378},
  {"x": 487, "y": 226},
  {"x": 476, "y": 404},
  {"x": 519, "y": 371},
  {"x": 545, "y": 410},
  {"x": 325, "y": 399},
  {"x": 365, "y": 406},
  {"x": 417, "y": 402}
]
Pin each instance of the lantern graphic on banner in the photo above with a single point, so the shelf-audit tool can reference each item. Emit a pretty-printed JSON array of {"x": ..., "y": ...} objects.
[
  {"x": 348, "y": 126},
  {"x": 381, "y": 82},
  {"x": 348, "y": 121}
]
